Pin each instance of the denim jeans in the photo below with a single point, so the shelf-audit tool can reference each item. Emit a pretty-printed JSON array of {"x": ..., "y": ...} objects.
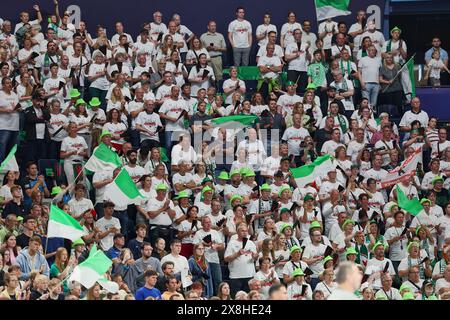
[
  {"x": 123, "y": 218},
  {"x": 241, "y": 56},
  {"x": 216, "y": 273},
  {"x": 168, "y": 141},
  {"x": 7, "y": 140},
  {"x": 371, "y": 93}
]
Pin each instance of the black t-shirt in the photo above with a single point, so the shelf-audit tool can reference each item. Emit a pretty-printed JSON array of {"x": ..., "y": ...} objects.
[
  {"x": 17, "y": 209},
  {"x": 22, "y": 240}
]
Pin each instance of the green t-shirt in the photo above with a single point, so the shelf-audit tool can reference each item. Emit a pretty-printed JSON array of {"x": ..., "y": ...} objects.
[
  {"x": 317, "y": 73},
  {"x": 54, "y": 273}
]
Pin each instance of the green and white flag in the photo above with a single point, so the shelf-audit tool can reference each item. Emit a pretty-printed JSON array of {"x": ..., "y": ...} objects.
[
  {"x": 10, "y": 162},
  {"x": 62, "y": 225},
  {"x": 92, "y": 269},
  {"x": 412, "y": 206},
  {"x": 308, "y": 173},
  {"x": 123, "y": 190},
  {"x": 331, "y": 8},
  {"x": 103, "y": 159},
  {"x": 408, "y": 80}
]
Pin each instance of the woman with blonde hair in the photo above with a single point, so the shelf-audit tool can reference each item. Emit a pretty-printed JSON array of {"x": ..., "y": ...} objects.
[
  {"x": 94, "y": 293},
  {"x": 166, "y": 48}
]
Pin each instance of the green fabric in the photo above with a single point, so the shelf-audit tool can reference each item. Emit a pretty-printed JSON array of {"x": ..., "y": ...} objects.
[
  {"x": 412, "y": 206},
  {"x": 338, "y": 4},
  {"x": 317, "y": 73},
  {"x": 410, "y": 65},
  {"x": 126, "y": 185},
  {"x": 246, "y": 73},
  {"x": 54, "y": 273},
  {"x": 246, "y": 120},
  {"x": 163, "y": 153},
  {"x": 9, "y": 157}
]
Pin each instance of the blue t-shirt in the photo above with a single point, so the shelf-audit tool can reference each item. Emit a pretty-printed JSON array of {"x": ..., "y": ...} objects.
[
  {"x": 444, "y": 54},
  {"x": 143, "y": 293}
]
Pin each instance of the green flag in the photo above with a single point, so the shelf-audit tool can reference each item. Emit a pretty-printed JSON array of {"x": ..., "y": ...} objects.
[
  {"x": 246, "y": 120},
  {"x": 408, "y": 80},
  {"x": 331, "y": 8},
  {"x": 103, "y": 159},
  {"x": 412, "y": 206}
]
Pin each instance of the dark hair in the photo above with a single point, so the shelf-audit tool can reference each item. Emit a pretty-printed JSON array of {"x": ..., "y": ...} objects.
[
  {"x": 165, "y": 264},
  {"x": 174, "y": 241},
  {"x": 108, "y": 204},
  {"x": 168, "y": 278},
  {"x": 150, "y": 273},
  {"x": 145, "y": 244},
  {"x": 28, "y": 218},
  {"x": 275, "y": 288}
]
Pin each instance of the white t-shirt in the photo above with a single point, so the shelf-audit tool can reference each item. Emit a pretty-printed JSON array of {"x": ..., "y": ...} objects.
[
  {"x": 240, "y": 31},
  {"x": 163, "y": 218},
  {"x": 269, "y": 62},
  {"x": 328, "y": 27},
  {"x": 173, "y": 108},
  {"x": 313, "y": 251},
  {"x": 73, "y": 144},
  {"x": 101, "y": 176},
  {"x": 300, "y": 63},
  {"x": 9, "y": 121},
  {"x": 231, "y": 84},
  {"x": 56, "y": 122},
  {"x": 397, "y": 250},
  {"x": 156, "y": 29},
  {"x": 206, "y": 83},
  {"x": 149, "y": 122},
  {"x": 375, "y": 265},
  {"x": 409, "y": 117},
  {"x": 101, "y": 83},
  {"x": 103, "y": 225},
  {"x": 287, "y": 30},
  {"x": 263, "y": 28},
  {"x": 211, "y": 255},
  {"x": 243, "y": 266},
  {"x": 370, "y": 69},
  {"x": 294, "y": 136},
  {"x": 78, "y": 207},
  {"x": 287, "y": 102},
  {"x": 180, "y": 263}
]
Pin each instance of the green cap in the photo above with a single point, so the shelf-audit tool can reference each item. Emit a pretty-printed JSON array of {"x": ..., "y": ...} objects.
[
  {"x": 95, "y": 102},
  {"x": 206, "y": 179},
  {"x": 396, "y": 29},
  {"x": 290, "y": 83},
  {"x": 311, "y": 86},
  {"x": 284, "y": 227},
  {"x": 346, "y": 222},
  {"x": 243, "y": 171},
  {"x": 373, "y": 222},
  {"x": 265, "y": 186},
  {"x": 224, "y": 175},
  {"x": 432, "y": 297},
  {"x": 350, "y": 250},
  {"x": 315, "y": 224},
  {"x": 235, "y": 197},
  {"x": 105, "y": 133},
  {"x": 249, "y": 173},
  {"x": 408, "y": 296},
  {"x": 422, "y": 201},
  {"x": 377, "y": 244},
  {"x": 326, "y": 259},
  {"x": 308, "y": 197},
  {"x": 206, "y": 189},
  {"x": 161, "y": 186},
  {"x": 77, "y": 243},
  {"x": 235, "y": 171},
  {"x": 381, "y": 297},
  {"x": 413, "y": 244},
  {"x": 284, "y": 210},
  {"x": 414, "y": 131},
  {"x": 436, "y": 179},
  {"x": 283, "y": 188},
  {"x": 182, "y": 194},
  {"x": 391, "y": 208},
  {"x": 79, "y": 101},
  {"x": 404, "y": 286},
  {"x": 56, "y": 190},
  {"x": 298, "y": 272},
  {"x": 74, "y": 93},
  {"x": 295, "y": 248},
  {"x": 19, "y": 218}
]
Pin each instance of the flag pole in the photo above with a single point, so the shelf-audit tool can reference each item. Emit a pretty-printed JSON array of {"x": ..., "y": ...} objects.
[{"x": 398, "y": 73}]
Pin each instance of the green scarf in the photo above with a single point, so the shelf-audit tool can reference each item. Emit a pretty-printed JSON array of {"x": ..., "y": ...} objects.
[
  {"x": 317, "y": 72},
  {"x": 270, "y": 82},
  {"x": 342, "y": 123}
]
